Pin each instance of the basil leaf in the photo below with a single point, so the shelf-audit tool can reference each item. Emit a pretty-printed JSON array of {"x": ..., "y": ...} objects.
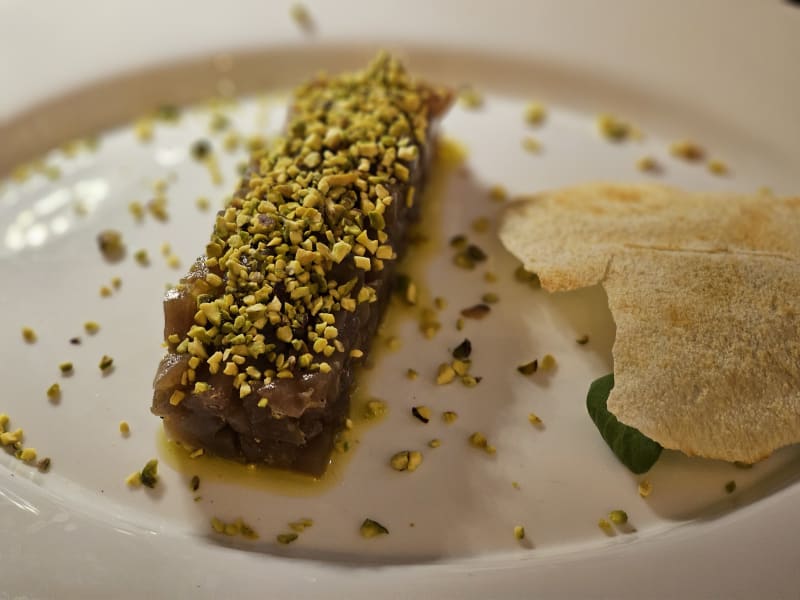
[{"x": 634, "y": 449}]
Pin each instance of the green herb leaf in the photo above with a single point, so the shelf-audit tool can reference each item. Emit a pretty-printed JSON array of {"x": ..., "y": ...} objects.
[{"x": 634, "y": 449}]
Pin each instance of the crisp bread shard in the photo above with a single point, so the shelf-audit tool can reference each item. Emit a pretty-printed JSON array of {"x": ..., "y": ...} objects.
[
  {"x": 266, "y": 329},
  {"x": 705, "y": 293}
]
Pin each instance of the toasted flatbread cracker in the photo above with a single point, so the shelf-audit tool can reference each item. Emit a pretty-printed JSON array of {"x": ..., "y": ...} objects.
[
  {"x": 705, "y": 292},
  {"x": 567, "y": 236}
]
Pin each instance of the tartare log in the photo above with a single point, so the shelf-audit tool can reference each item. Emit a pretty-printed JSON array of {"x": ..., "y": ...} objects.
[{"x": 264, "y": 332}]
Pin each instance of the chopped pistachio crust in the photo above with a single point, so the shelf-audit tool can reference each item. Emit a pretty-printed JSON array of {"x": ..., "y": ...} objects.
[{"x": 309, "y": 209}]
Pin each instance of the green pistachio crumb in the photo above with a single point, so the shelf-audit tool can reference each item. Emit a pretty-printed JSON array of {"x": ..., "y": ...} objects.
[
  {"x": 29, "y": 335},
  {"x": 618, "y": 517},
  {"x": 534, "y": 419},
  {"x": 300, "y": 15},
  {"x": 149, "y": 474},
  {"x": 411, "y": 374},
  {"x": 730, "y": 487},
  {"x": 478, "y": 311},
  {"x": 194, "y": 483},
  {"x": 645, "y": 488},
  {"x": 687, "y": 150},
  {"x": 141, "y": 257},
  {"x": 111, "y": 245},
  {"x": 406, "y": 460},
  {"x": 497, "y": 193},
  {"x": 717, "y": 167},
  {"x": 371, "y": 529},
  {"x": 422, "y": 413},
  {"x": 434, "y": 443},
  {"x": 605, "y": 526},
  {"x": 531, "y": 144},
  {"x": 582, "y": 340},
  {"x": 449, "y": 416},
  {"x": 66, "y": 368},
  {"x": 648, "y": 164},
  {"x": 124, "y": 428},
  {"x": 463, "y": 350},
  {"x": 612, "y": 128},
  {"x": 529, "y": 368},
  {"x": 535, "y": 113},
  {"x": 548, "y": 362},
  {"x": 54, "y": 391},
  {"x": 490, "y": 298},
  {"x": 470, "y": 98},
  {"x": 445, "y": 374},
  {"x": 91, "y": 327},
  {"x": 105, "y": 363},
  {"x": 519, "y": 532},
  {"x": 375, "y": 409}
]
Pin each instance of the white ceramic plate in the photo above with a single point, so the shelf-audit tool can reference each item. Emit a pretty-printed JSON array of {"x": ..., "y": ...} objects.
[{"x": 78, "y": 531}]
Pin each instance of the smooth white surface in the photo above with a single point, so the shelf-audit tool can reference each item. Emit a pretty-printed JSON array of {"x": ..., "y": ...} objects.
[{"x": 97, "y": 538}]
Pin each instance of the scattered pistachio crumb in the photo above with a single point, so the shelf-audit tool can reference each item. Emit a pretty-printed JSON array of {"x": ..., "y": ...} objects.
[
  {"x": 449, "y": 416},
  {"x": 535, "y": 113},
  {"x": 470, "y": 98},
  {"x": 422, "y": 413},
  {"x": 66, "y": 368},
  {"x": 393, "y": 343},
  {"x": 105, "y": 363},
  {"x": 202, "y": 203},
  {"x": 645, "y": 488},
  {"x": 406, "y": 460},
  {"x": 687, "y": 150},
  {"x": 612, "y": 128},
  {"x": 134, "y": 479},
  {"x": 618, "y": 517},
  {"x": 137, "y": 210},
  {"x": 105, "y": 291},
  {"x": 648, "y": 164},
  {"x": 300, "y": 15},
  {"x": 439, "y": 303},
  {"x": 529, "y": 368},
  {"x": 194, "y": 483},
  {"x": 481, "y": 225},
  {"x": 531, "y": 144},
  {"x": 582, "y": 340},
  {"x": 515, "y": 485},
  {"x": 605, "y": 526},
  {"x": 459, "y": 324},
  {"x": 463, "y": 350},
  {"x": 411, "y": 374},
  {"x": 27, "y": 454},
  {"x": 548, "y": 362},
  {"x": 29, "y": 335},
  {"x": 110, "y": 243},
  {"x": 717, "y": 167},
  {"x": 490, "y": 298},
  {"x": 730, "y": 487},
  {"x": 519, "y": 532},
  {"x": 445, "y": 374},
  {"x": 44, "y": 464},
  {"x": 91, "y": 327},
  {"x": 375, "y": 409},
  {"x": 371, "y": 529},
  {"x": 478, "y": 440},
  {"x": 116, "y": 282},
  {"x": 141, "y": 257},
  {"x": 54, "y": 392},
  {"x": 497, "y": 193},
  {"x": 435, "y": 443},
  {"x": 124, "y": 428},
  {"x": 534, "y": 419},
  {"x": 478, "y": 311}
]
